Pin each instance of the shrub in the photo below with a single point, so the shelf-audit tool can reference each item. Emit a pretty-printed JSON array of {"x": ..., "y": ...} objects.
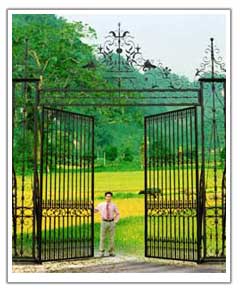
[{"x": 111, "y": 153}]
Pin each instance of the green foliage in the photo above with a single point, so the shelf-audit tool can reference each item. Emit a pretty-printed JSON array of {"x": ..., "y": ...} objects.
[
  {"x": 127, "y": 154},
  {"x": 111, "y": 153},
  {"x": 119, "y": 165},
  {"x": 59, "y": 54}
]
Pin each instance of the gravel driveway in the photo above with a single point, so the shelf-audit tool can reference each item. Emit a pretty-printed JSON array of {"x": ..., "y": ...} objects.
[{"x": 119, "y": 264}]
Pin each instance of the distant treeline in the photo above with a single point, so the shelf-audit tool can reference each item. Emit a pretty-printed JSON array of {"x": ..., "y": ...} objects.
[{"x": 59, "y": 54}]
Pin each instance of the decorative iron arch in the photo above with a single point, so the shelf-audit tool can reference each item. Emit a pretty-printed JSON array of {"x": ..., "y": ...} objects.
[
  {"x": 124, "y": 62},
  {"x": 130, "y": 57}
]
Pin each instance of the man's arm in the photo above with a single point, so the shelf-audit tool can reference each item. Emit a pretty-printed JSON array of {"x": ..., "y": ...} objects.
[
  {"x": 117, "y": 214},
  {"x": 97, "y": 209}
]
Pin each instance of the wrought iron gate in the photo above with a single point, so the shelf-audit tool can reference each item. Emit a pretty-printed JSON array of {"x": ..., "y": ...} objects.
[
  {"x": 67, "y": 185},
  {"x": 185, "y": 218},
  {"x": 172, "y": 203}
]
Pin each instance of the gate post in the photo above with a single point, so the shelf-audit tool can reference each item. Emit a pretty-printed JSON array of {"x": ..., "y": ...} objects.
[
  {"x": 224, "y": 178},
  {"x": 39, "y": 197},
  {"x": 36, "y": 186},
  {"x": 92, "y": 187},
  {"x": 201, "y": 184},
  {"x": 24, "y": 206},
  {"x": 212, "y": 243},
  {"x": 145, "y": 186},
  {"x": 212, "y": 73},
  {"x": 14, "y": 179}
]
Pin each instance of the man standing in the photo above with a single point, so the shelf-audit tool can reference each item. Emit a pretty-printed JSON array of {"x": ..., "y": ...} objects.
[{"x": 110, "y": 216}]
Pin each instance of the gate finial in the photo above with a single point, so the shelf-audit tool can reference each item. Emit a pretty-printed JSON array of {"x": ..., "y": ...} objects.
[{"x": 212, "y": 62}]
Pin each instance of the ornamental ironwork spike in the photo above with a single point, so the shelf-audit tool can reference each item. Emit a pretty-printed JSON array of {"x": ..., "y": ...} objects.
[
  {"x": 212, "y": 62},
  {"x": 122, "y": 58},
  {"x": 120, "y": 53}
]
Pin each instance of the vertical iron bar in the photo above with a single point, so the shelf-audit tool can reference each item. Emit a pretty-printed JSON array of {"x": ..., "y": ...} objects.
[
  {"x": 224, "y": 178},
  {"x": 92, "y": 197},
  {"x": 148, "y": 189},
  {"x": 45, "y": 198},
  {"x": 179, "y": 188},
  {"x": 53, "y": 201},
  {"x": 46, "y": 179},
  {"x": 80, "y": 184},
  {"x": 214, "y": 141},
  {"x": 202, "y": 200},
  {"x": 197, "y": 185},
  {"x": 162, "y": 185},
  {"x": 183, "y": 181},
  {"x": 78, "y": 164},
  {"x": 71, "y": 206},
  {"x": 191, "y": 186},
  {"x": 26, "y": 154},
  {"x": 64, "y": 183},
  {"x": 57, "y": 204},
  {"x": 23, "y": 175},
  {"x": 36, "y": 180},
  {"x": 14, "y": 194},
  {"x": 166, "y": 187},
  {"x": 169, "y": 207},
  {"x": 42, "y": 228},
  {"x": 68, "y": 181},
  {"x": 39, "y": 203},
  {"x": 84, "y": 186},
  {"x": 187, "y": 188},
  {"x": 88, "y": 185},
  {"x": 215, "y": 162},
  {"x": 158, "y": 187},
  {"x": 154, "y": 185},
  {"x": 174, "y": 187},
  {"x": 146, "y": 185},
  {"x": 149, "y": 199},
  {"x": 48, "y": 199},
  {"x": 60, "y": 246},
  {"x": 76, "y": 193}
]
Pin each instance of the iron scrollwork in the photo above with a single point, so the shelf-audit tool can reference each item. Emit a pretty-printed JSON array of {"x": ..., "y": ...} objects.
[
  {"x": 212, "y": 62},
  {"x": 61, "y": 212},
  {"x": 121, "y": 55},
  {"x": 128, "y": 55},
  {"x": 177, "y": 212}
]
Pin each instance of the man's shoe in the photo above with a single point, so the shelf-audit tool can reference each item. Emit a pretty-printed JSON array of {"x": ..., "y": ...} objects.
[{"x": 112, "y": 255}]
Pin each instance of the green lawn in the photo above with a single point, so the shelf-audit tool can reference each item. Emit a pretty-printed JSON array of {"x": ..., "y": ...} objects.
[{"x": 129, "y": 236}]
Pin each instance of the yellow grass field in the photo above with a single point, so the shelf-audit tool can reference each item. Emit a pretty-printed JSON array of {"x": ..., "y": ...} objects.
[
  {"x": 127, "y": 181},
  {"x": 124, "y": 185},
  {"x": 117, "y": 182}
]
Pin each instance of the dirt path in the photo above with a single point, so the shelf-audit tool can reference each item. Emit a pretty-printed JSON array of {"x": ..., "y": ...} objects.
[{"x": 120, "y": 264}]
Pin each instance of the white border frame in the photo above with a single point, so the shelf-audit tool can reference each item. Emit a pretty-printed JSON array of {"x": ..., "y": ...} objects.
[{"x": 126, "y": 277}]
